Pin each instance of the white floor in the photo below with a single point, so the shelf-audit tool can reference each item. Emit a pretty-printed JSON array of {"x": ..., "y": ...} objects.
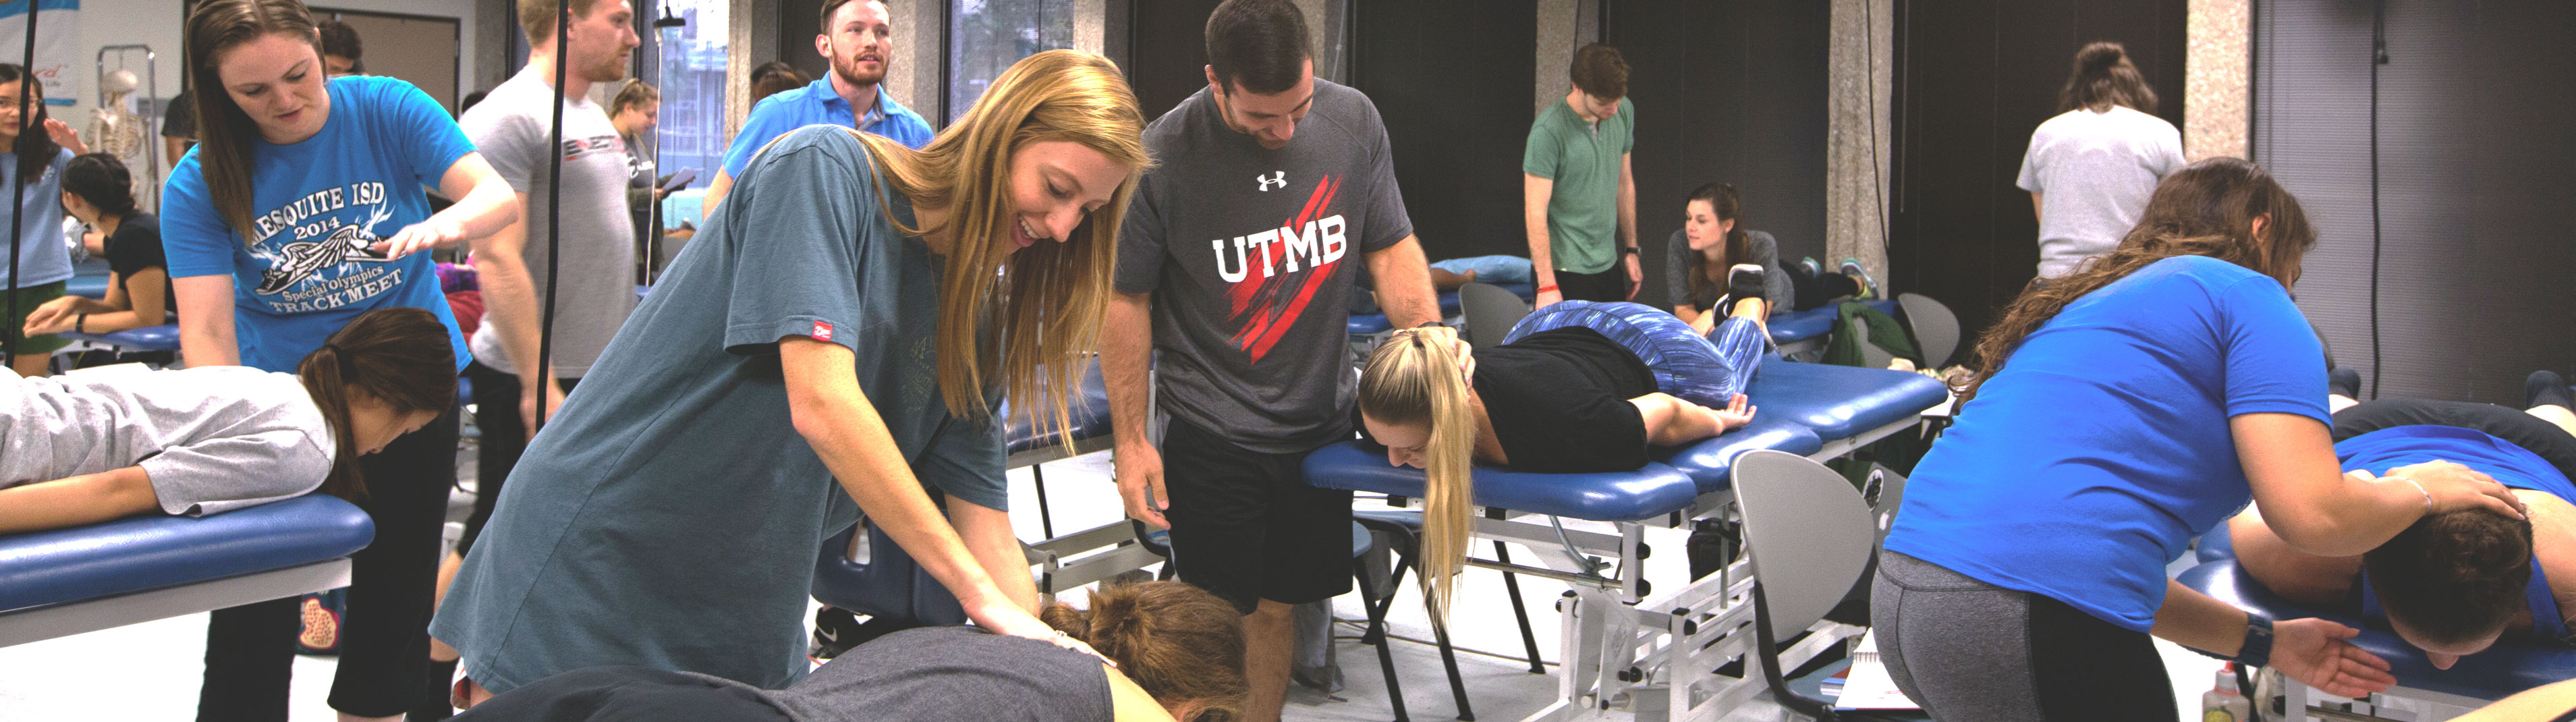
[{"x": 150, "y": 671}]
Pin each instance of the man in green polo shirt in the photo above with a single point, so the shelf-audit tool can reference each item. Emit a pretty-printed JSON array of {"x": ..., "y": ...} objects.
[{"x": 1579, "y": 197}]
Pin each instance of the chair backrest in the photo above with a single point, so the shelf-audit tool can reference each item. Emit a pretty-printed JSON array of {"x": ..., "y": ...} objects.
[
  {"x": 1871, "y": 356},
  {"x": 1491, "y": 312},
  {"x": 1807, "y": 533},
  {"x": 1936, "y": 329}
]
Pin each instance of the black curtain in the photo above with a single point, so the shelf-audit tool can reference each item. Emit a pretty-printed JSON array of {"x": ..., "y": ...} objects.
[
  {"x": 1168, "y": 44},
  {"x": 799, "y": 21},
  {"x": 1973, "y": 79},
  {"x": 1726, "y": 92},
  {"x": 2475, "y": 168},
  {"x": 1452, "y": 80}
]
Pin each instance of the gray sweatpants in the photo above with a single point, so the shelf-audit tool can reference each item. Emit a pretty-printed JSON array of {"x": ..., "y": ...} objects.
[{"x": 1969, "y": 651}]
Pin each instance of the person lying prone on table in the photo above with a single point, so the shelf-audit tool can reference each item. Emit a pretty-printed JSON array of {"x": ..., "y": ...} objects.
[
  {"x": 1178, "y": 653},
  {"x": 86, "y": 449},
  {"x": 1577, "y": 387},
  {"x": 2451, "y": 584}
]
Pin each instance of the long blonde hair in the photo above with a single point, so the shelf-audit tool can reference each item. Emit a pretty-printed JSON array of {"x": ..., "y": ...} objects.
[
  {"x": 1417, "y": 378},
  {"x": 1051, "y": 294}
]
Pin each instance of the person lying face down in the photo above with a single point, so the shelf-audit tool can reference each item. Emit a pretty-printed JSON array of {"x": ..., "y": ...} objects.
[
  {"x": 1178, "y": 652},
  {"x": 2451, "y": 584},
  {"x": 1569, "y": 393},
  {"x": 82, "y": 450}
]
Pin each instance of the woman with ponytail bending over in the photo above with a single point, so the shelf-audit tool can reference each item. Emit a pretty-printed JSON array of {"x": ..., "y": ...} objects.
[
  {"x": 86, "y": 449},
  {"x": 1178, "y": 652},
  {"x": 2111, "y": 416},
  {"x": 2090, "y": 169},
  {"x": 1577, "y": 387}
]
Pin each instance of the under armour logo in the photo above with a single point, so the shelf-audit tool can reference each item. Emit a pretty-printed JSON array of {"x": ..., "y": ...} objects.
[{"x": 1277, "y": 178}]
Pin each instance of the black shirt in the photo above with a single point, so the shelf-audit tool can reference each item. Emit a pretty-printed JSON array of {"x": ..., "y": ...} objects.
[
  {"x": 1559, "y": 401},
  {"x": 179, "y": 120},
  {"x": 136, "y": 245}
]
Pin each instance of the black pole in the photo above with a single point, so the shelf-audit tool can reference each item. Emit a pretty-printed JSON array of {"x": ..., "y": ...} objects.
[
  {"x": 18, "y": 189},
  {"x": 554, "y": 213},
  {"x": 2378, "y": 57}
]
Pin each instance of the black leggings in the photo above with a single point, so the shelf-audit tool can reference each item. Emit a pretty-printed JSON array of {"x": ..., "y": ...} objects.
[
  {"x": 1813, "y": 291},
  {"x": 2547, "y": 440},
  {"x": 496, "y": 415},
  {"x": 384, "y": 636}
]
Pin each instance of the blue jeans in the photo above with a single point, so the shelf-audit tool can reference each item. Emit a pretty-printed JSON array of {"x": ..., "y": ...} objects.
[{"x": 1708, "y": 371}]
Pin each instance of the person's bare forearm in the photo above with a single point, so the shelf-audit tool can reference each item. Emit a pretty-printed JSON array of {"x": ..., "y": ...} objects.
[
  {"x": 1126, "y": 344},
  {"x": 829, "y": 409},
  {"x": 1404, "y": 284},
  {"x": 490, "y": 207},
  {"x": 510, "y": 304},
  {"x": 206, "y": 321},
  {"x": 988, "y": 535},
  {"x": 1534, "y": 195},
  {"x": 716, "y": 191},
  {"x": 1627, "y": 204},
  {"x": 2192, "y": 619},
  {"x": 77, "y": 500}
]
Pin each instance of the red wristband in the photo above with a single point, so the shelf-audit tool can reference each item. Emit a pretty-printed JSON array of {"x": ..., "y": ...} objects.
[{"x": 1547, "y": 288}]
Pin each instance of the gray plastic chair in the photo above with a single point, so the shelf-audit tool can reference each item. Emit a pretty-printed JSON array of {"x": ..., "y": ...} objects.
[
  {"x": 1809, "y": 535},
  {"x": 1936, "y": 329},
  {"x": 1491, "y": 312}
]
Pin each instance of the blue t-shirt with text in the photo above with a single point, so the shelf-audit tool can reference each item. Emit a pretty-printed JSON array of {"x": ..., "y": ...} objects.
[
  {"x": 316, "y": 208},
  {"x": 2102, "y": 446}
]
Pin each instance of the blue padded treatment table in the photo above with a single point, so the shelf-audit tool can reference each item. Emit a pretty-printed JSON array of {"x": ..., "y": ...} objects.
[
  {"x": 2217, "y": 545},
  {"x": 2501, "y": 670},
  {"x": 1368, "y": 324},
  {"x": 149, "y": 338},
  {"x": 1653, "y": 491},
  {"x": 1794, "y": 326},
  {"x": 1090, "y": 419},
  {"x": 42, "y": 574},
  {"x": 1841, "y": 402}
]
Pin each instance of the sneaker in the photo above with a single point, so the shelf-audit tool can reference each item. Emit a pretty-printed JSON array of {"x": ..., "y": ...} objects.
[
  {"x": 1869, "y": 286},
  {"x": 836, "y": 630},
  {"x": 2547, "y": 387},
  {"x": 1810, "y": 265},
  {"x": 2344, "y": 380},
  {"x": 1743, "y": 281}
]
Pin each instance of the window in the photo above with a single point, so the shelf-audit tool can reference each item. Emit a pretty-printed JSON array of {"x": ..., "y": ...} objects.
[
  {"x": 692, "y": 134},
  {"x": 986, "y": 36}
]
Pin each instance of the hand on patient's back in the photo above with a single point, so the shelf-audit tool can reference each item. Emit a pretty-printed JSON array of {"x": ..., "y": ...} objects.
[
  {"x": 1011, "y": 620},
  {"x": 2458, "y": 488},
  {"x": 2313, "y": 651}
]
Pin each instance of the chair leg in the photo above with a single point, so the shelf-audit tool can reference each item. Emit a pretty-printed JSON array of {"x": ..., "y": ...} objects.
[
  {"x": 1377, "y": 630},
  {"x": 1449, "y": 660},
  {"x": 1520, "y": 612},
  {"x": 1046, "y": 521}
]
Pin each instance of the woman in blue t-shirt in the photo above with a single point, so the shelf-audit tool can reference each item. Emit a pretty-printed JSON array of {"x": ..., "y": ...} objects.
[
  {"x": 300, "y": 209},
  {"x": 2113, "y": 415}
]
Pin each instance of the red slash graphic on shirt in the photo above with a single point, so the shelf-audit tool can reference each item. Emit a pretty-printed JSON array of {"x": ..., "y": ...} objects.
[{"x": 1293, "y": 261}]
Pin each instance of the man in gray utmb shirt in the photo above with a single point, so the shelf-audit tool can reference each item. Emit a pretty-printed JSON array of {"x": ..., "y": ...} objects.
[{"x": 1236, "y": 262}]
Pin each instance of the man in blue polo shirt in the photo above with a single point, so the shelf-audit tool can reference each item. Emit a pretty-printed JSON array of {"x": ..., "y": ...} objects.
[{"x": 858, "y": 41}]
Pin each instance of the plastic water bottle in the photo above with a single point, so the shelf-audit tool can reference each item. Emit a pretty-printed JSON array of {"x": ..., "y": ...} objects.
[{"x": 2224, "y": 703}]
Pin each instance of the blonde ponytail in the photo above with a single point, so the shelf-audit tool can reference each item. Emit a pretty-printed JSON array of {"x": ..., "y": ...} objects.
[{"x": 1417, "y": 377}]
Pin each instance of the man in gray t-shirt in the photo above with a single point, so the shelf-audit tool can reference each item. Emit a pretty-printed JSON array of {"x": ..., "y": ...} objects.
[
  {"x": 594, "y": 284},
  {"x": 1236, "y": 263}
]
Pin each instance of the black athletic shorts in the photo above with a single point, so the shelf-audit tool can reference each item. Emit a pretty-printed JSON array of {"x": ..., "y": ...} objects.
[
  {"x": 2541, "y": 438},
  {"x": 1246, "y": 527}
]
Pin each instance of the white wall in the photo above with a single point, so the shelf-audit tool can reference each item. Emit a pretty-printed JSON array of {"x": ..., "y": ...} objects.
[{"x": 157, "y": 23}]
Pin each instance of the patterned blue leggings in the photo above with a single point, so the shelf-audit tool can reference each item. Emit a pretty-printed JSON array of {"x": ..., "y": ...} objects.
[{"x": 1708, "y": 371}]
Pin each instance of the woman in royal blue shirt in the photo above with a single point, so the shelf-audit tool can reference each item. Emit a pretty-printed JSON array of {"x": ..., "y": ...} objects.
[
  {"x": 300, "y": 209},
  {"x": 2115, "y": 414}
]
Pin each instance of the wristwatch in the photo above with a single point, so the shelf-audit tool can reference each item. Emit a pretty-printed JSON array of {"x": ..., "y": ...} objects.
[{"x": 1629, "y": 250}]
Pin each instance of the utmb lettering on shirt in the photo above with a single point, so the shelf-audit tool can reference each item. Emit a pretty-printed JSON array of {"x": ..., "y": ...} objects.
[
  {"x": 1319, "y": 243},
  {"x": 320, "y": 202}
]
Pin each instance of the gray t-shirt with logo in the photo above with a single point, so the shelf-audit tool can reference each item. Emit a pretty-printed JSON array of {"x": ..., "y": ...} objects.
[
  {"x": 212, "y": 439},
  {"x": 1250, "y": 254},
  {"x": 596, "y": 287}
]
